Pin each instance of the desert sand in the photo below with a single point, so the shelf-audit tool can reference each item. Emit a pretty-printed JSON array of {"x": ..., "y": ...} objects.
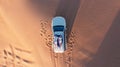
[{"x": 93, "y": 28}]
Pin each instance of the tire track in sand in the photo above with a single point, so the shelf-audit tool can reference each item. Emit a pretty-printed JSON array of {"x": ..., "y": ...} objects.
[{"x": 48, "y": 40}]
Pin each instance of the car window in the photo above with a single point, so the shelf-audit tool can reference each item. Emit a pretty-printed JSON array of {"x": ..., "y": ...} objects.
[{"x": 58, "y": 28}]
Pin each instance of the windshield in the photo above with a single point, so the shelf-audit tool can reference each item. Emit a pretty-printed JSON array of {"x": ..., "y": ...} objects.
[{"x": 58, "y": 28}]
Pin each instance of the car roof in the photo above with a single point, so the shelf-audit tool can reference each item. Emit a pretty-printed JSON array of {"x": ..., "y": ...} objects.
[{"x": 58, "y": 21}]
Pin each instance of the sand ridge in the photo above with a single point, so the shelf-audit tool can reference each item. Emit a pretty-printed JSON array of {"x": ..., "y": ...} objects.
[{"x": 26, "y": 36}]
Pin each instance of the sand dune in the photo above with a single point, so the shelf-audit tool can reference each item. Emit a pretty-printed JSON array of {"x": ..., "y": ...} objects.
[{"x": 26, "y": 37}]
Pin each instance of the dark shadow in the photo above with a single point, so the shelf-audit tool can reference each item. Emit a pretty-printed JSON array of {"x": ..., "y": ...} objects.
[
  {"x": 108, "y": 54},
  {"x": 68, "y": 9}
]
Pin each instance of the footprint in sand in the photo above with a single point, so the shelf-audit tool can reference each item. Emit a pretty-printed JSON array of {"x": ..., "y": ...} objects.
[
  {"x": 68, "y": 52},
  {"x": 9, "y": 57},
  {"x": 43, "y": 32},
  {"x": 43, "y": 28}
]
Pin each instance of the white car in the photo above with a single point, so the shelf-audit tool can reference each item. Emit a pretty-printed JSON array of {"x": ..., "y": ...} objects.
[{"x": 59, "y": 34}]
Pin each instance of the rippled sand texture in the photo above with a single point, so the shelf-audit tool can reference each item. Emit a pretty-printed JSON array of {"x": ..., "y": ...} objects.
[{"x": 93, "y": 28}]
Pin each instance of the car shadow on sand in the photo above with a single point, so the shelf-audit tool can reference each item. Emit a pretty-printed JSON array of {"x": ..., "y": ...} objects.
[
  {"x": 108, "y": 54},
  {"x": 68, "y": 9}
]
